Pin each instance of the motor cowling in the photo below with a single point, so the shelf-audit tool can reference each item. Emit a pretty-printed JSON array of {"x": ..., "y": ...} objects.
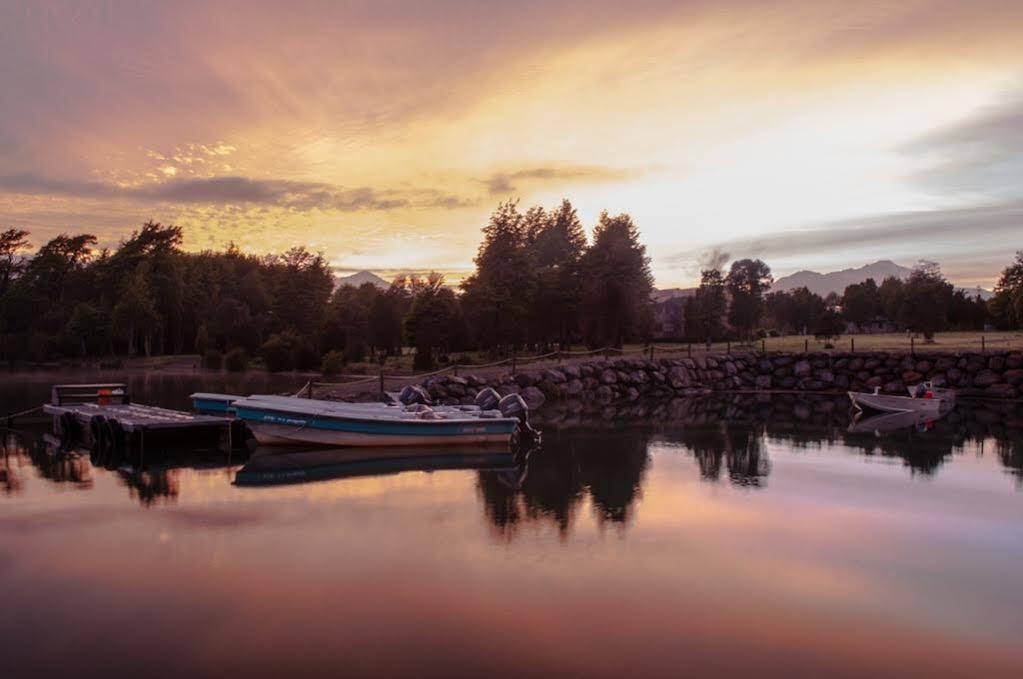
[
  {"x": 488, "y": 399},
  {"x": 512, "y": 405},
  {"x": 412, "y": 393}
]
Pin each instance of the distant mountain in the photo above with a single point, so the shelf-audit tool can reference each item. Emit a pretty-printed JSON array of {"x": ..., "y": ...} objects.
[
  {"x": 361, "y": 278},
  {"x": 837, "y": 281}
]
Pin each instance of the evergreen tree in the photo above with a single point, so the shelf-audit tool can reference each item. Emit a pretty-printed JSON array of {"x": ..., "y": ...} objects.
[
  {"x": 747, "y": 282},
  {"x": 498, "y": 294},
  {"x": 1007, "y": 304},
  {"x": 617, "y": 284},
  {"x": 705, "y": 311}
]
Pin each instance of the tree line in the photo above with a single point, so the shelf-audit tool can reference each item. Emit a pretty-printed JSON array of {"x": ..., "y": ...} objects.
[
  {"x": 538, "y": 283},
  {"x": 738, "y": 305}
]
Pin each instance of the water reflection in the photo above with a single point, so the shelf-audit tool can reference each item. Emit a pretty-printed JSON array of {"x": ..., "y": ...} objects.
[{"x": 592, "y": 457}]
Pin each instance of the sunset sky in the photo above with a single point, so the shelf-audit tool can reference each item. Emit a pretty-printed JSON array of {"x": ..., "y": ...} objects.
[{"x": 812, "y": 134}]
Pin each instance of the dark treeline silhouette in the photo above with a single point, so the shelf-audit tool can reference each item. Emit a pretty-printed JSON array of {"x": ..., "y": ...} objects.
[
  {"x": 538, "y": 283},
  {"x": 737, "y": 305}
]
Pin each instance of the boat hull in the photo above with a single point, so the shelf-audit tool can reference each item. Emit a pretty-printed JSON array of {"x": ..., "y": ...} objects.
[
  {"x": 897, "y": 404},
  {"x": 269, "y": 434},
  {"x": 278, "y": 423}
]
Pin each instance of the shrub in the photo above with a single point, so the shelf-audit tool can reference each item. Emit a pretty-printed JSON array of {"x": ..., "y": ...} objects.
[
  {"x": 236, "y": 360},
  {"x": 213, "y": 360},
  {"x": 333, "y": 363},
  {"x": 277, "y": 354}
]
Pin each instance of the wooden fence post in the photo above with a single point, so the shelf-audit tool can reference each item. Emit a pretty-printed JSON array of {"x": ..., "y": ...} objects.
[
  {"x": 912, "y": 345},
  {"x": 852, "y": 345},
  {"x": 983, "y": 345},
  {"x": 806, "y": 346},
  {"x": 763, "y": 345},
  {"x": 728, "y": 347},
  {"x": 381, "y": 379},
  {"x": 513, "y": 361},
  {"x": 689, "y": 350},
  {"x": 651, "y": 352}
]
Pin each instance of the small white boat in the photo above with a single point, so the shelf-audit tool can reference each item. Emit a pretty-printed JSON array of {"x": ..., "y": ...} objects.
[{"x": 923, "y": 398}]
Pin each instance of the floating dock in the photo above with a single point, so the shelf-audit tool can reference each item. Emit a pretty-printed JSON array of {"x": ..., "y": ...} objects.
[{"x": 103, "y": 415}]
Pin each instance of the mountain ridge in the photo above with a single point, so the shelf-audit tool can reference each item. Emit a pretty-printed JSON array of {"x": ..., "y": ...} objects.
[{"x": 837, "y": 281}]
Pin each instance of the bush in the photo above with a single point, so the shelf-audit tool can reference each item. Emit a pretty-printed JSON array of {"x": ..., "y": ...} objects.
[
  {"x": 333, "y": 363},
  {"x": 213, "y": 360},
  {"x": 277, "y": 354},
  {"x": 236, "y": 360}
]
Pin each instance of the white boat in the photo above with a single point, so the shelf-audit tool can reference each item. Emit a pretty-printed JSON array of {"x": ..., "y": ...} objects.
[
  {"x": 282, "y": 420},
  {"x": 922, "y": 399}
]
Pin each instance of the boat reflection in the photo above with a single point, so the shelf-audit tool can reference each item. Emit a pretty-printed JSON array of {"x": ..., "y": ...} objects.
[
  {"x": 880, "y": 423},
  {"x": 268, "y": 466}
]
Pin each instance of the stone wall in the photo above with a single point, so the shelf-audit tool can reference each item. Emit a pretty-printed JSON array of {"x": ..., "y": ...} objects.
[{"x": 990, "y": 374}]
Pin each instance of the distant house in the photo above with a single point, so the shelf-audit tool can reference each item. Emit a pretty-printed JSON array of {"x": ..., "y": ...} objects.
[
  {"x": 876, "y": 326},
  {"x": 669, "y": 318}
]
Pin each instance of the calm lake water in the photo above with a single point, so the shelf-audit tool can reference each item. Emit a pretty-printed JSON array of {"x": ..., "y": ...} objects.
[{"x": 719, "y": 537}]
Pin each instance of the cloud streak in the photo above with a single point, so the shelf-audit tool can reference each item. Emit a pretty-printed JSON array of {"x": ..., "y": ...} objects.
[
  {"x": 221, "y": 191},
  {"x": 502, "y": 183}
]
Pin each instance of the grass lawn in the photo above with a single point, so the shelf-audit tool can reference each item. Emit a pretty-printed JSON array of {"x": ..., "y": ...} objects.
[{"x": 945, "y": 341}]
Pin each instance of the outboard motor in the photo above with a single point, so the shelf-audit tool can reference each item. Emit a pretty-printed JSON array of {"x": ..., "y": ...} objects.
[
  {"x": 488, "y": 399},
  {"x": 512, "y": 405},
  {"x": 412, "y": 393}
]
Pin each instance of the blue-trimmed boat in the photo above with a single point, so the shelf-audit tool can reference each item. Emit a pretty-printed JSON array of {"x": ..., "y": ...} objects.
[{"x": 281, "y": 420}]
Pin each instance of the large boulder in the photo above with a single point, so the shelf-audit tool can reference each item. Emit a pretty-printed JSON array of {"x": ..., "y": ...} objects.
[
  {"x": 803, "y": 369},
  {"x": 555, "y": 376},
  {"x": 763, "y": 382},
  {"x": 524, "y": 380},
  {"x": 678, "y": 378},
  {"x": 911, "y": 377},
  {"x": 574, "y": 387},
  {"x": 985, "y": 378},
  {"x": 533, "y": 397},
  {"x": 609, "y": 376}
]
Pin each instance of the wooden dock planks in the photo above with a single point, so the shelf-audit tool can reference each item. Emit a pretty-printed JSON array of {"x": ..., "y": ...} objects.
[{"x": 136, "y": 417}]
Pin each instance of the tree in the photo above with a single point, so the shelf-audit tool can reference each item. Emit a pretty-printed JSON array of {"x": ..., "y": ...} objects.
[
  {"x": 555, "y": 244},
  {"x": 747, "y": 281},
  {"x": 892, "y": 295},
  {"x": 12, "y": 242},
  {"x": 927, "y": 300},
  {"x": 705, "y": 311},
  {"x": 1007, "y": 304},
  {"x": 497, "y": 295},
  {"x": 861, "y": 302},
  {"x": 135, "y": 312},
  {"x": 432, "y": 319},
  {"x": 617, "y": 283}
]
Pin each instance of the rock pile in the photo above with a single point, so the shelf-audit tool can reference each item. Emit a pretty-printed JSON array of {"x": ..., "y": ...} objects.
[{"x": 628, "y": 379}]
